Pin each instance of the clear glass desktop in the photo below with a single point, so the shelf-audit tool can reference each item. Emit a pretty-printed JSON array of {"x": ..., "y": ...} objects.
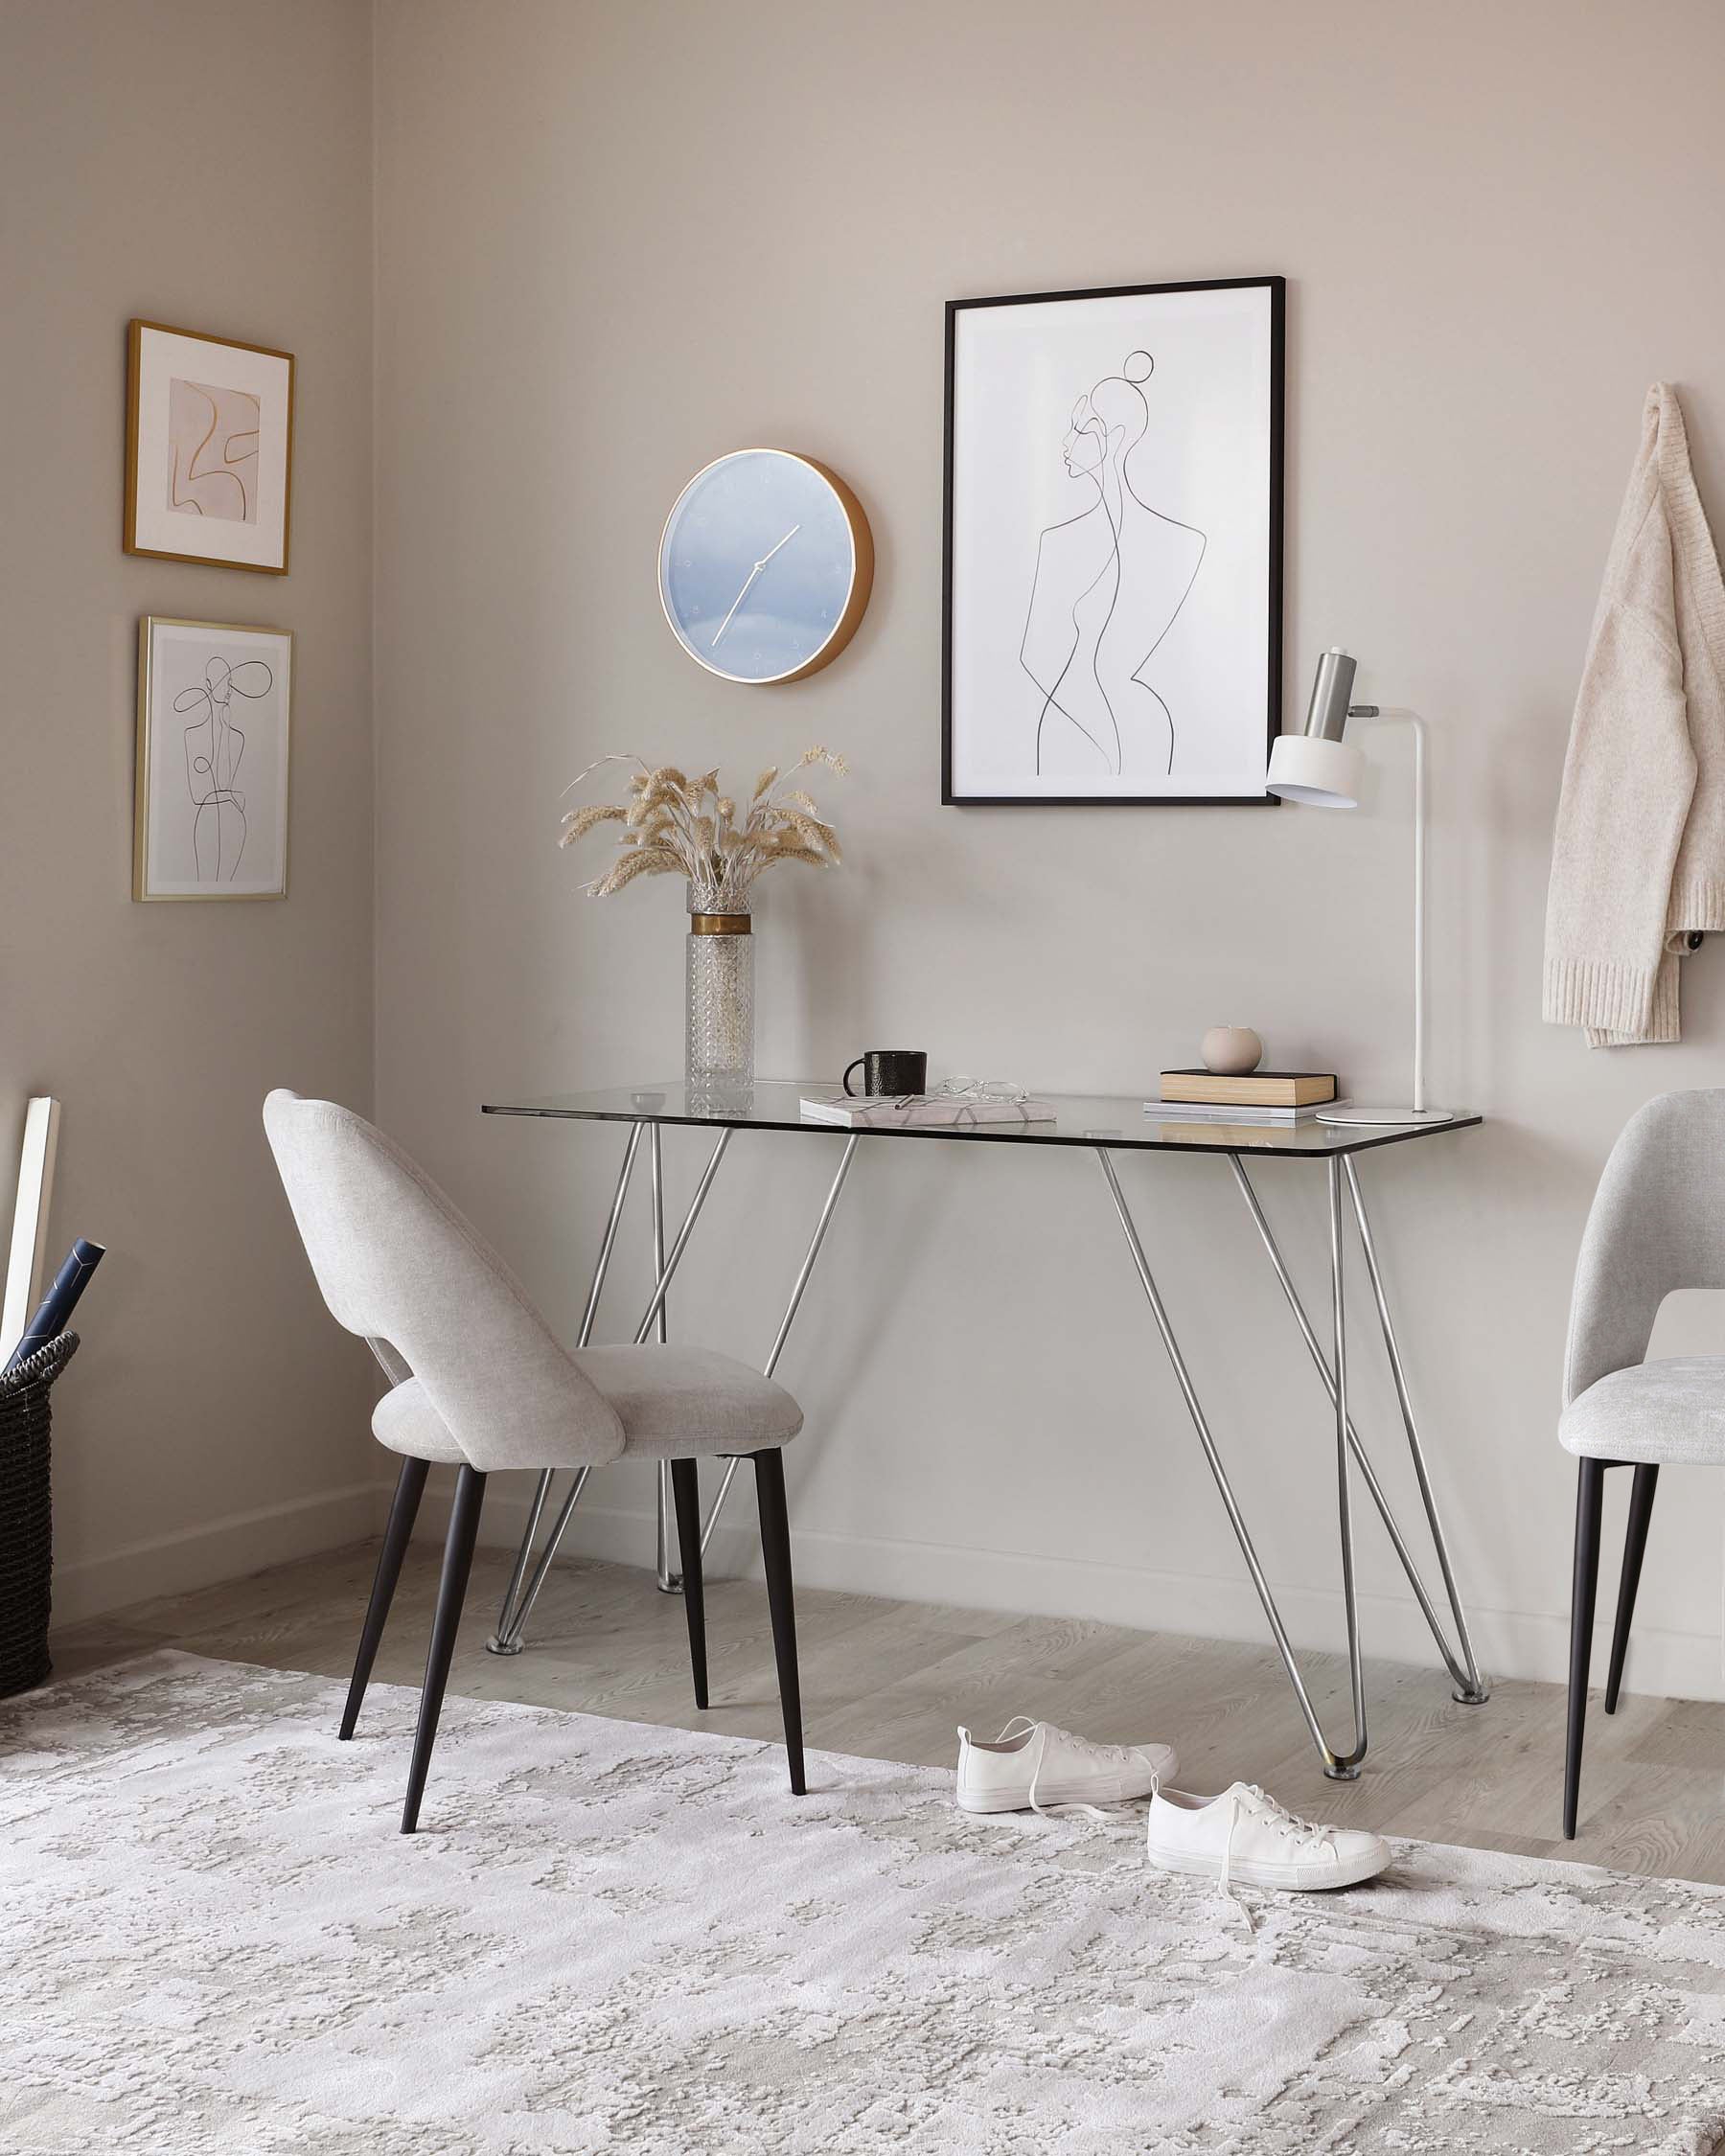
[{"x": 1082, "y": 1119}]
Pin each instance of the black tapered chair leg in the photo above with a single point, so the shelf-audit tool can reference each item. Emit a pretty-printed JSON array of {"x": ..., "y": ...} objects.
[
  {"x": 685, "y": 1494},
  {"x": 1590, "y": 1490},
  {"x": 1635, "y": 1545},
  {"x": 451, "y": 1593},
  {"x": 410, "y": 1484},
  {"x": 776, "y": 1553}
]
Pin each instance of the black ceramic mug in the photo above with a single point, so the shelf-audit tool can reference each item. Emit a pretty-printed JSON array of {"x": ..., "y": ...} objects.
[{"x": 891, "y": 1070}]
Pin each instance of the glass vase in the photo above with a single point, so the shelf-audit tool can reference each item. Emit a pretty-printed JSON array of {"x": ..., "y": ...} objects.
[{"x": 719, "y": 1060}]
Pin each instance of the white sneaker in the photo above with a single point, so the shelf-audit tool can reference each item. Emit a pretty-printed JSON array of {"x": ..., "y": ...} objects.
[
  {"x": 1034, "y": 1765},
  {"x": 1245, "y": 1836}
]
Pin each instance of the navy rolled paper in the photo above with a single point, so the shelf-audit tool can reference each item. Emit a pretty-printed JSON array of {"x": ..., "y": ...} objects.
[{"x": 60, "y": 1300}]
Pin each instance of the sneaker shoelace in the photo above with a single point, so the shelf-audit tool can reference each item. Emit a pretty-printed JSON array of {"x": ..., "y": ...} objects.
[
  {"x": 1266, "y": 1812},
  {"x": 1103, "y": 1754}
]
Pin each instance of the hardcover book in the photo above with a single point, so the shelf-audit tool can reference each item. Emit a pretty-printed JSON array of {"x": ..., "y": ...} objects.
[{"x": 1253, "y": 1088}]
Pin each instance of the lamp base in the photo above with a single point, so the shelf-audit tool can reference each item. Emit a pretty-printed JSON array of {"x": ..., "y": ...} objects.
[{"x": 1383, "y": 1118}]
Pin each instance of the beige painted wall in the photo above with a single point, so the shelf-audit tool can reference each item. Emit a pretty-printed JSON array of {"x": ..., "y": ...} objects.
[
  {"x": 205, "y": 162},
  {"x": 614, "y": 241}
]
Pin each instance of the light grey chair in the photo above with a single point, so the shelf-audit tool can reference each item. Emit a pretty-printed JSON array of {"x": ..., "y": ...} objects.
[
  {"x": 1657, "y": 1224},
  {"x": 479, "y": 1382}
]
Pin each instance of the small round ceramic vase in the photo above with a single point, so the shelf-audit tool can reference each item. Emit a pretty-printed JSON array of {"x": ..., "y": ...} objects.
[{"x": 1231, "y": 1051}]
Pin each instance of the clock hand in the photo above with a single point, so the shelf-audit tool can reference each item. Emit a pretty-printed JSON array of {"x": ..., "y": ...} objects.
[
  {"x": 738, "y": 601},
  {"x": 749, "y": 579}
]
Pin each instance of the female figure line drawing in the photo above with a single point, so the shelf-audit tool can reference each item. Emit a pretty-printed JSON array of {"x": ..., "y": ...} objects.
[
  {"x": 214, "y": 748},
  {"x": 1108, "y": 587}
]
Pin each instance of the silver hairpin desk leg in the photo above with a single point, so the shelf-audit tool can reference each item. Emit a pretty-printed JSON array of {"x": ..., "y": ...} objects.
[
  {"x": 1463, "y": 1668},
  {"x": 790, "y": 1309},
  {"x": 513, "y": 1614},
  {"x": 1348, "y": 1767},
  {"x": 507, "y": 1640},
  {"x": 1340, "y": 1766},
  {"x": 1472, "y": 1691}
]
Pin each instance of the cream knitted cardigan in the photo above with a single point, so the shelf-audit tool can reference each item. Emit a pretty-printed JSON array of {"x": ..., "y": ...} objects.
[{"x": 1639, "y": 856}]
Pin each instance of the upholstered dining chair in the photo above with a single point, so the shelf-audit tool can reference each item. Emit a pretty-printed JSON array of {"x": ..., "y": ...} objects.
[
  {"x": 1657, "y": 1224},
  {"x": 479, "y": 1383}
]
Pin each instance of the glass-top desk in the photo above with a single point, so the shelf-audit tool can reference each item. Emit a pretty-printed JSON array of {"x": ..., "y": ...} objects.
[
  {"x": 1084, "y": 1119},
  {"x": 1101, "y": 1125}
]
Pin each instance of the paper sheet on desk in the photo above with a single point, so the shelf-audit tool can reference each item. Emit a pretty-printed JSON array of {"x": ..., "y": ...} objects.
[{"x": 918, "y": 1111}]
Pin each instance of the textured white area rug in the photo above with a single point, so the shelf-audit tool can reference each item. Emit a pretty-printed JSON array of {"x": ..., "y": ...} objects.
[{"x": 212, "y": 1937}]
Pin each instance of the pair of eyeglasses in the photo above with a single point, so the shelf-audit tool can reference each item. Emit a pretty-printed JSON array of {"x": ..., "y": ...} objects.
[{"x": 958, "y": 1088}]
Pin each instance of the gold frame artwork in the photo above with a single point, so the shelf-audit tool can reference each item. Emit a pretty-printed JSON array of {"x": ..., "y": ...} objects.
[
  {"x": 141, "y": 892},
  {"x": 134, "y": 362}
]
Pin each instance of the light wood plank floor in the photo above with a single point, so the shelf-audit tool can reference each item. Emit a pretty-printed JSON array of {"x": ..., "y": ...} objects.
[{"x": 889, "y": 1680}]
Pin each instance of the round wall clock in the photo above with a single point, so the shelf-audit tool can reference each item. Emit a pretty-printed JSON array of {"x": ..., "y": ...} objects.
[{"x": 764, "y": 566}]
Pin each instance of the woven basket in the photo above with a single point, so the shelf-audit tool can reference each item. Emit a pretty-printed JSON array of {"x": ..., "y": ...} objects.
[{"x": 26, "y": 1526}]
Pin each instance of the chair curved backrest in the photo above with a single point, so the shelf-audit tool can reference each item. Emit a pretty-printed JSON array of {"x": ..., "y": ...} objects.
[
  {"x": 398, "y": 1265},
  {"x": 1657, "y": 1224}
]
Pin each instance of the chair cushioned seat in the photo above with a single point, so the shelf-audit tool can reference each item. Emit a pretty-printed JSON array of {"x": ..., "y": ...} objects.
[
  {"x": 1670, "y": 1412},
  {"x": 673, "y": 1403}
]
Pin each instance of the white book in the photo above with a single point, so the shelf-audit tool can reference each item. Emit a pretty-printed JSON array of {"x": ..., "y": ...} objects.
[
  {"x": 899, "y": 1111},
  {"x": 1209, "y": 1111},
  {"x": 30, "y": 1221}
]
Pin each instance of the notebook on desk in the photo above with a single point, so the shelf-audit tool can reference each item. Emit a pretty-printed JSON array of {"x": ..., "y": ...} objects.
[{"x": 1205, "y": 1111}]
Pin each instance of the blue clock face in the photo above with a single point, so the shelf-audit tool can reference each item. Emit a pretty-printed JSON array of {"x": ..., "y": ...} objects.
[{"x": 758, "y": 565}]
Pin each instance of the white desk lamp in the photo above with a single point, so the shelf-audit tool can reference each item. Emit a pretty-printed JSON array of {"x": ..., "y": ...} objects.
[{"x": 1320, "y": 769}]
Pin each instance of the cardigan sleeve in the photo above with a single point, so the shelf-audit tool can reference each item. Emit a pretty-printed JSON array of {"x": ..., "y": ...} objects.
[{"x": 1628, "y": 778}]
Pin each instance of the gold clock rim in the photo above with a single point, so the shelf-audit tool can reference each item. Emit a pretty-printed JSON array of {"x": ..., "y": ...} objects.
[{"x": 861, "y": 576}]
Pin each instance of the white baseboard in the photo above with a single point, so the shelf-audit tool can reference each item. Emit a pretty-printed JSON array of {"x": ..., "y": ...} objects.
[
  {"x": 1509, "y": 1643},
  {"x": 225, "y": 1549}
]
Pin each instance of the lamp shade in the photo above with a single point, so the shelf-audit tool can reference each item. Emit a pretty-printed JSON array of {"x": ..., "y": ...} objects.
[{"x": 1315, "y": 772}]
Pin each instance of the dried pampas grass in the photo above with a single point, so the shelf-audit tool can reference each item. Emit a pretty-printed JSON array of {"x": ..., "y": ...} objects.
[{"x": 677, "y": 825}]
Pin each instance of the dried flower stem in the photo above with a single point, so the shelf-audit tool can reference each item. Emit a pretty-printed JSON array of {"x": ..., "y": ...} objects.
[{"x": 677, "y": 825}]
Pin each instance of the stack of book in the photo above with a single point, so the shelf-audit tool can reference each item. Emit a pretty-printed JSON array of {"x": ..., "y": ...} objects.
[{"x": 1259, "y": 1096}]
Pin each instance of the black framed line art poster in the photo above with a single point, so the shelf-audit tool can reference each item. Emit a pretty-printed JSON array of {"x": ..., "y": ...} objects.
[{"x": 1113, "y": 492}]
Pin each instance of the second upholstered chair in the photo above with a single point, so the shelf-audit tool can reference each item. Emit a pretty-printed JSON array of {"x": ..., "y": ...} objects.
[
  {"x": 1657, "y": 1224},
  {"x": 480, "y": 1383}
]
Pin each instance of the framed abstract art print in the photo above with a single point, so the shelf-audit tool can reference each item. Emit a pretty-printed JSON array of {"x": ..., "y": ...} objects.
[
  {"x": 211, "y": 802},
  {"x": 1113, "y": 546},
  {"x": 209, "y": 450}
]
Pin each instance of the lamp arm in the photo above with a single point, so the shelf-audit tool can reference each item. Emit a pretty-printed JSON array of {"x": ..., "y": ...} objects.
[{"x": 1413, "y": 719}]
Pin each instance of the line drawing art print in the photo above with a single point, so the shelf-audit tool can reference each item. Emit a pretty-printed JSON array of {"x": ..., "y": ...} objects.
[
  {"x": 212, "y": 451},
  {"x": 1108, "y": 586},
  {"x": 215, "y": 747},
  {"x": 1112, "y": 627},
  {"x": 213, "y": 752},
  {"x": 209, "y": 449}
]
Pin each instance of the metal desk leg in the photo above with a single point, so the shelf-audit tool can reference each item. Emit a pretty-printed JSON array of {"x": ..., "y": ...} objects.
[
  {"x": 655, "y": 1307},
  {"x": 510, "y": 1642},
  {"x": 1472, "y": 1691},
  {"x": 790, "y": 1309},
  {"x": 1465, "y": 1676},
  {"x": 670, "y": 1582},
  {"x": 1343, "y": 1765},
  {"x": 506, "y": 1639},
  {"x": 1348, "y": 1767}
]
